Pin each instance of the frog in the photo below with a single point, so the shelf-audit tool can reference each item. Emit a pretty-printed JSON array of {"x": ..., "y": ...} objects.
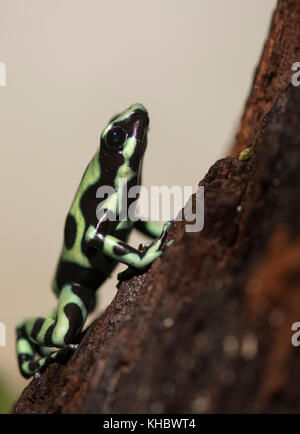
[{"x": 93, "y": 243}]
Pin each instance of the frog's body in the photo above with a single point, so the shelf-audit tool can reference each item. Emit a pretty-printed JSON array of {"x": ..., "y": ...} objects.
[{"x": 93, "y": 246}]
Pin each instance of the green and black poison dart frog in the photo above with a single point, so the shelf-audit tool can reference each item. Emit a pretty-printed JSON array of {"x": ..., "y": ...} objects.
[{"x": 92, "y": 247}]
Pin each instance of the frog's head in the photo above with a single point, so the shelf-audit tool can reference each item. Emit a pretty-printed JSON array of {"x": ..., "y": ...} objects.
[{"x": 123, "y": 143}]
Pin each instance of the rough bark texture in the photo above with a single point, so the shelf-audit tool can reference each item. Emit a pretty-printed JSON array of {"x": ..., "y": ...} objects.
[{"x": 208, "y": 327}]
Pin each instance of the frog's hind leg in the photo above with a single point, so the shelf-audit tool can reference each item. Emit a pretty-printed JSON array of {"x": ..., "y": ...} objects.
[
  {"x": 56, "y": 330},
  {"x": 35, "y": 367},
  {"x": 73, "y": 307},
  {"x": 29, "y": 365},
  {"x": 25, "y": 352}
]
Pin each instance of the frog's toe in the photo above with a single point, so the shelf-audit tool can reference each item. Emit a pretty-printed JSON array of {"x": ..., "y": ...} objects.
[
  {"x": 169, "y": 243},
  {"x": 166, "y": 227},
  {"x": 37, "y": 374}
]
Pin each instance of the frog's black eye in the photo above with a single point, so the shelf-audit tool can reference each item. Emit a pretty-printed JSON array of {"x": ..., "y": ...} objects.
[{"x": 115, "y": 137}]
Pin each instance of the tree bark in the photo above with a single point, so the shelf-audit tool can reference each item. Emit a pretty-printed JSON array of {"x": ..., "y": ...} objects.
[{"x": 208, "y": 327}]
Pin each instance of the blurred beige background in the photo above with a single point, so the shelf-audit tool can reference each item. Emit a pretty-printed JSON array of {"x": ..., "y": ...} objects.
[{"x": 71, "y": 65}]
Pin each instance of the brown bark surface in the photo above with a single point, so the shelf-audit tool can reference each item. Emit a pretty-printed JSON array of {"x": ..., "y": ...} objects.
[{"x": 208, "y": 327}]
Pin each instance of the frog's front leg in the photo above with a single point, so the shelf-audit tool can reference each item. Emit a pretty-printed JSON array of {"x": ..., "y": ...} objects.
[
  {"x": 59, "y": 330},
  {"x": 152, "y": 229},
  {"x": 122, "y": 252}
]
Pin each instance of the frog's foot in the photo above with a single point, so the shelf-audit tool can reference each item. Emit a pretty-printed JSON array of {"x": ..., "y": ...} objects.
[
  {"x": 155, "y": 249},
  {"x": 60, "y": 330},
  {"x": 26, "y": 354},
  {"x": 151, "y": 251},
  {"x": 51, "y": 355},
  {"x": 62, "y": 356}
]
